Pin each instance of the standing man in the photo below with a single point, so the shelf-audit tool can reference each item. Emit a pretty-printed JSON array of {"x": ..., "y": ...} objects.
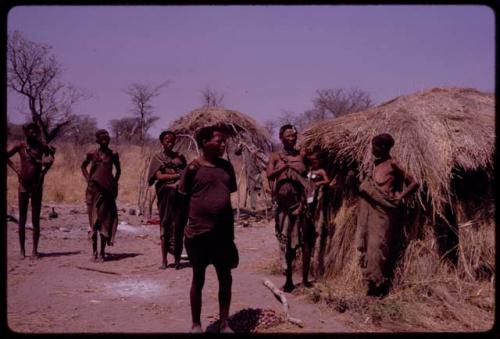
[
  {"x": 287, "y": 171},
  {"x": 208, "y": 183},
  {"x": 101, "y": 193},
  {"x": 379, "y": 216},
  {"x": 36, "y": 159},
  {"x": 165, "y": 171}
]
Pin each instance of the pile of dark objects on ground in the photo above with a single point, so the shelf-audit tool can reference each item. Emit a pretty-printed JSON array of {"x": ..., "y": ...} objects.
[{"x": 252, "y": 320}]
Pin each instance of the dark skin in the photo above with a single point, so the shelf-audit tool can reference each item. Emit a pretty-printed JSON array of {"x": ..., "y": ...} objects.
[
  {"x": 33, "y": 142},
  {"x": 316, "y": 169},
  {"x": 212, "y": 149},
  {"x": 386, "y": 170},
  {"x": 168, "y": 143},
  {"x": 103, "y": 141},
  {"x": 276, "y": 170}
]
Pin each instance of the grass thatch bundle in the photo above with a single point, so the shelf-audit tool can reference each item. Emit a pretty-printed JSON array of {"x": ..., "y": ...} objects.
[
  {"x": 444, "y": 138},
  {"x": 439, "y": 134},
  {"x": 239, "y": 126}
]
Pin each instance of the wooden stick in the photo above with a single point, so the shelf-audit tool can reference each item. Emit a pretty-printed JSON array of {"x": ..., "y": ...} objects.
[{"x": 281, "y": 296}]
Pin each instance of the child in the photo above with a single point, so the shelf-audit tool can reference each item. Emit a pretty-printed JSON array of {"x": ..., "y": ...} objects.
[
  {"x": 209, "y": 236},
  {"x": 317, "y": 202}
]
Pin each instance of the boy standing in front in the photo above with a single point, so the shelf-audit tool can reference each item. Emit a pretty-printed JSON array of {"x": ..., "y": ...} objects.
[{"x": 209, "y": 236}]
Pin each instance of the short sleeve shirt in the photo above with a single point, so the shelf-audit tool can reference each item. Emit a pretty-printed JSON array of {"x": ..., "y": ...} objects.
[{"x": 209, "y": 190}]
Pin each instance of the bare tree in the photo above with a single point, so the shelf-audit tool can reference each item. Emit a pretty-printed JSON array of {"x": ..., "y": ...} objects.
[
  {"x": 141, "y": 96},
  {"x": 338, "y": 101},
  {"x": 211, "y": 98},
  {"x": 125, "y": 129},
  {"x": 34, "y": 73},
  {"x": 81, "y": 129}
]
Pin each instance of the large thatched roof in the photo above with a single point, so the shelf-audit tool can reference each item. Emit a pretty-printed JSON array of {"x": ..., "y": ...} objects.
[
  {"x": 436, "y": 131},
  {"x": 239, "y": 126}
]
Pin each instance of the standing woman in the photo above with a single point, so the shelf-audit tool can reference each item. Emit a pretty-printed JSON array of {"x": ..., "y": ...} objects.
[
  {"x": 165, "y": 171},
  {"x": 101, "y": 193}
]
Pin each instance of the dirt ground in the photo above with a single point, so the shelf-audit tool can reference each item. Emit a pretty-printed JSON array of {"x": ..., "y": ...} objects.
[{"x": 64, "y": 292}]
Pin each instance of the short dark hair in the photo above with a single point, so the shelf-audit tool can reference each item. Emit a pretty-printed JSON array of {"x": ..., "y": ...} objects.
[
  {"x": 31, "y": 125},
  {"x": 206, "y": 133},
  {"x": 383, "y": 140},
  {"x": 101, "y": 131},
  {"x": 285, "y": 127},
  {"x": 162, "y": 134}
]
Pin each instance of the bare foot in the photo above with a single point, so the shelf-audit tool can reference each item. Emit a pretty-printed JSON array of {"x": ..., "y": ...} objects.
[
  {"x": 225, "y": 329},
  {"x": 196, "y": 329},
  {"x": 307, "y": 284},
  {"x": 100, "y": 258},
  {"x": 163, "y": 266},
  {"x": 22, "y": 255},
  {"x": 288, "y": 287},
  {"x": 35, "y": 255}
]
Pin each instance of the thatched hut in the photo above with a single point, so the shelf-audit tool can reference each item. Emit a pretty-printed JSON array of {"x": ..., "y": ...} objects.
[
  {"x": 239, "y": 126},
  {"x": 445, "y": 140},
  {"x": 243, "y": 131}
]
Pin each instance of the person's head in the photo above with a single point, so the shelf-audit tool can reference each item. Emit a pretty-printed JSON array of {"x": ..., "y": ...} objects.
[
  {"x": 288, "y": 135},
  {"x": 167, "y": 139},
  {"x": 31, "y": 130},
  {"x": 315, "y": 158},
  {"x": 382, "y": 144},
  {"x": 102, "y": 137},
  {"x": 212, "y": 140}
]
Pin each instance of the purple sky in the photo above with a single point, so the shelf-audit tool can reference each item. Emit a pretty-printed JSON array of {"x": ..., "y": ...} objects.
[{"x": 264, "y": 59}]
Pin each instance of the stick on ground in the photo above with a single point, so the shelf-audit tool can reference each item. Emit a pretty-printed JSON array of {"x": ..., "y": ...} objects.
[{"x": 281, "y": 297}]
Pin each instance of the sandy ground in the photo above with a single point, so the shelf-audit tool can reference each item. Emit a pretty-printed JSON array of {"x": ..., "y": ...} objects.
[{"x": 64, "y": 292}]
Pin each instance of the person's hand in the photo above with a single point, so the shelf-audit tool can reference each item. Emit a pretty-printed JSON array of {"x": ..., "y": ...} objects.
[{"x": 333, "y": 182}]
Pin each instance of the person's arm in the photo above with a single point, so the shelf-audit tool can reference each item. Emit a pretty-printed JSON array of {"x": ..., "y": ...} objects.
[
  {"x": 186, "y": 181},
  {"x": 85, "y": 163},
  {"x": 326, "y": 179},
  {"x": 272, "y": 171},
  {"x": 233, "y": 186},
  {"x": 116, "y": 162},
  {"x": 167, "y": 176},
  {"x": 47, "y": 165},
  {"x": 410, "y": 185},
  {"x": 9, "y": 154}
]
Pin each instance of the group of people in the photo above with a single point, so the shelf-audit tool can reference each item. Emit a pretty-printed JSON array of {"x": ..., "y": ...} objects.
[{"x": 194, "y": 203}]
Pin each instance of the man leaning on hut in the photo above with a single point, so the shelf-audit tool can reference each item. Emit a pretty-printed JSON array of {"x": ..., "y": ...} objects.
[{"x": 379, "y": 216}]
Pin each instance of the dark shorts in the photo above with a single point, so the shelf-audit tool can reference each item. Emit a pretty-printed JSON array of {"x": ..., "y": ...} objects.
[{"x": 208, "y": 248}]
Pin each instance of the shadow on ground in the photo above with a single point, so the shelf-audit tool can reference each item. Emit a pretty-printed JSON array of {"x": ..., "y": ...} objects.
[{"x": 120, "y": 256}]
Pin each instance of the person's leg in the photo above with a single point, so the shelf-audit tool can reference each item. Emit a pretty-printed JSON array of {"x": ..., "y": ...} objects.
[
  {"x": 289, "y": 256},
  {"x": 164, "y": 260},
  {"x": 23, "y": 213},
  {"x": 306, "y": 263},
  {"x": 102, "y": 252},
  {"x": 36, "y": 207},
  {"x": 195, "y": 296},
  {"x": 307, "y": 245},
  {"x": 94, "y": 246},
  {"x": 225, "y": 282}
]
